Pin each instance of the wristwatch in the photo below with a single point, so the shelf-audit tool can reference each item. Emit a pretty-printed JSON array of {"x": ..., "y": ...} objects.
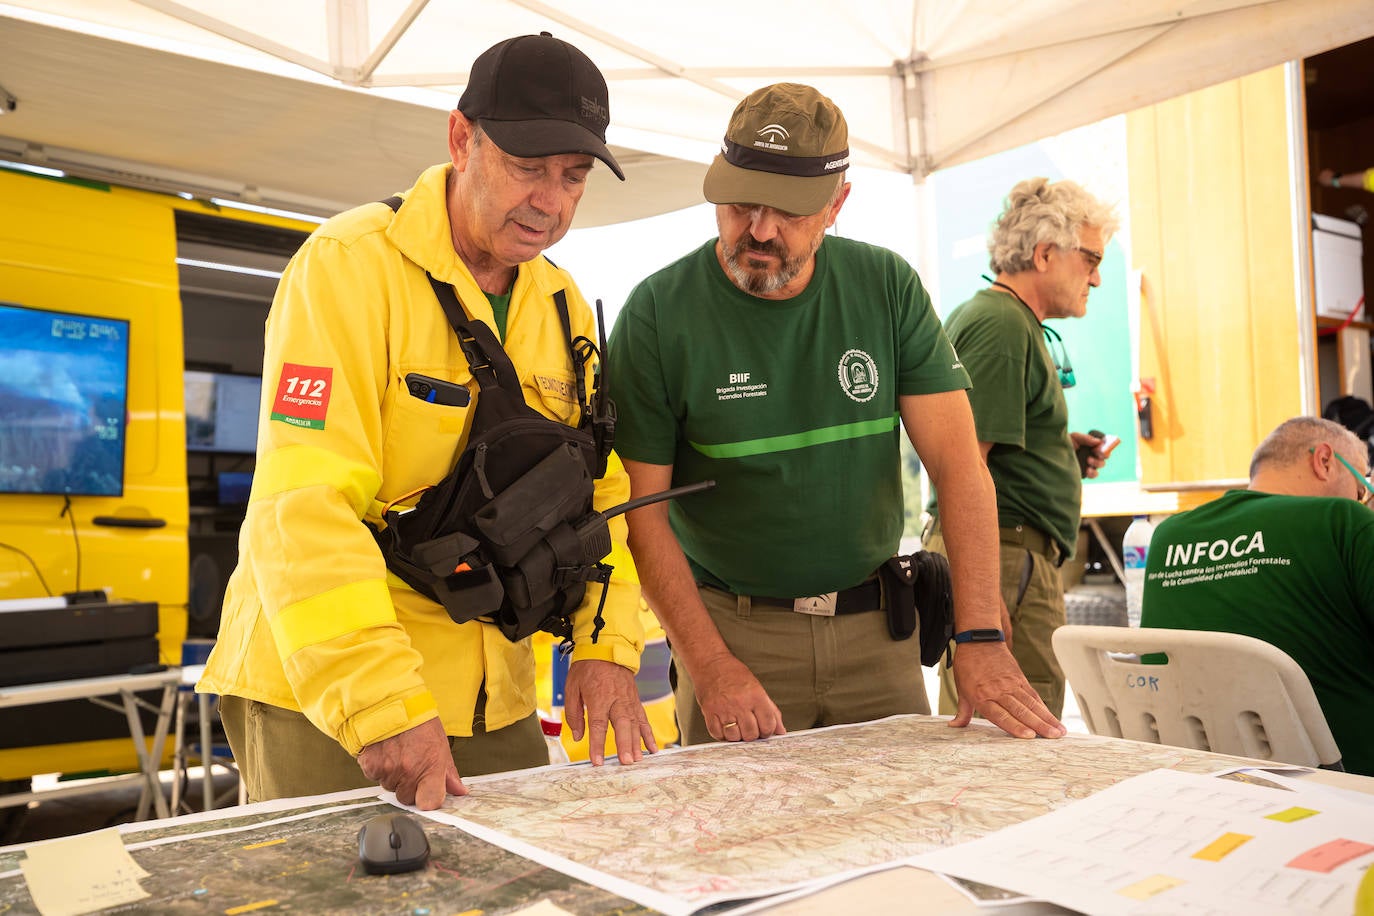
[
  {"x": 981, "y": 635},
  {"x": 1335, "y": 179}
]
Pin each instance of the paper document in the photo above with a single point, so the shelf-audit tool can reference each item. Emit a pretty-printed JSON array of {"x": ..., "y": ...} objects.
[{"x": 1170, "y": 842}]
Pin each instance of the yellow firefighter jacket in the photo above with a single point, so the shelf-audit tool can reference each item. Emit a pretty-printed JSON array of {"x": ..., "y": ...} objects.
[{"x": 312, "y": 620}]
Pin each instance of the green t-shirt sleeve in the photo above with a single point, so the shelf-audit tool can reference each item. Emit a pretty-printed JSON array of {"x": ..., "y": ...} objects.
[
  {"x": 927, "y": 362},
  {"x": 992, "y": 350},
  {"x": 646, "y": 429}
]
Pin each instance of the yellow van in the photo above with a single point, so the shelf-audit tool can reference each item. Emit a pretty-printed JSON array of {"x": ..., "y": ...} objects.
[{"x": 104, "y": 311}]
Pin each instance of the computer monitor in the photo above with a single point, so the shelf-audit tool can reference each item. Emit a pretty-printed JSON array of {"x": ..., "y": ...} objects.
[
  {"x": 233, "y": 487},
  {"x": 64, "y": 383},
  {"x": 222, "y": 412}
]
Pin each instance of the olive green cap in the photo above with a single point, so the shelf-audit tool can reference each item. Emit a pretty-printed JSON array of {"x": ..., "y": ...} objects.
[{"x": 787, "y": 147}]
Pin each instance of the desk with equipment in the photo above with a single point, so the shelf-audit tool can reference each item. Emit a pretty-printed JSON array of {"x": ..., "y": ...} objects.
[
  {"x": 720, "y": 825},
  {"x": 61, "y": 659},
  {"x": 94, "y": 689}
]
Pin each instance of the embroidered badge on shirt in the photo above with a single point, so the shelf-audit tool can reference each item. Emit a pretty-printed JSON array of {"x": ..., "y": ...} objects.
[
  {"x": 303, "y": 395},
  {"x": 858, "y": 375},
  {"x": 558, "y": 388}
]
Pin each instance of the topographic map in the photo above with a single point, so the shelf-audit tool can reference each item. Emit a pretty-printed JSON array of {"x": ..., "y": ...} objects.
[
  {"x": 305, "y": 860},
  {"x": 682, "y": 830},
  {"x": 692, "y": 827}
]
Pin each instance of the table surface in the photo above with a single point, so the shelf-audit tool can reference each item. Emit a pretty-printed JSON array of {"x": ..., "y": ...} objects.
[{"x": 303, "y": 851}]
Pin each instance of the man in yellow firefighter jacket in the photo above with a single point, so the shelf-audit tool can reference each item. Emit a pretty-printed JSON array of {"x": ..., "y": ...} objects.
[{"x": 333, "y": 673}]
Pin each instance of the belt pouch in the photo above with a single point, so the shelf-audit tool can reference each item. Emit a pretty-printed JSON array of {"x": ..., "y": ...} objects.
[
  {"x": 935, "y": 599},
  {"x": 899, "y": 578}
]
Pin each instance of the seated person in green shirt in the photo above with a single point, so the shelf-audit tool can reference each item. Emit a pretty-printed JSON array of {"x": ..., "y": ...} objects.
[{"x": 1286, "y": 561}]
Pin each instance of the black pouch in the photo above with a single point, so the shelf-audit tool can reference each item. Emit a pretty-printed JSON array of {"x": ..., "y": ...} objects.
[
  {"x": 899, "y": 582},
  {"x": 920, "y": 583}
]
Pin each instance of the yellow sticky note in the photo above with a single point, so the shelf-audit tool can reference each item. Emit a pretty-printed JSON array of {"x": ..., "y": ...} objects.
[
  {"x": 1149, "y": 887},
  {"x": 1222, "y": 847},
  {"x": 107, "y": 875},
  {"x": 1288, "y": 815}
]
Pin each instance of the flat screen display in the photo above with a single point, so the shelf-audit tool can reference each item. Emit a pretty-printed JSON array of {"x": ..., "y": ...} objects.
[
  {"x": 234, "y": 487},
  {"x": 64, "y": 383},
  {"x": 222, "y": 412}
]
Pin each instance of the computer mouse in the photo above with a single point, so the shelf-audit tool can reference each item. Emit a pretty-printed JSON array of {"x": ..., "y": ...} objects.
[{"x": 391, "y": 843}]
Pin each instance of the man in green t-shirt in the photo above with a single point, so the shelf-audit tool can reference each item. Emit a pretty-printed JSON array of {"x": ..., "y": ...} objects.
[
  {"x": 1045, "y": 249},
  {"x": 1286, "y": 561},
  {"x": 782, "y": 363}
]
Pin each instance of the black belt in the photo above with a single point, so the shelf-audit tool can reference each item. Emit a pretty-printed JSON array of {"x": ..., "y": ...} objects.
[{"x": 866, "y": 596}]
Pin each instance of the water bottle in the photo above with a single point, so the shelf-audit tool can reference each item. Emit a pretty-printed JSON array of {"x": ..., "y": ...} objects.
[
  {"x": 1135, "y": 546},
  {"x": 553, "y": 737}
]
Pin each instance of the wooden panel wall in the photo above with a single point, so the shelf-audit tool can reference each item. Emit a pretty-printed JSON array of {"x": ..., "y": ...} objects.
[{"x": 1212, "y": 232}]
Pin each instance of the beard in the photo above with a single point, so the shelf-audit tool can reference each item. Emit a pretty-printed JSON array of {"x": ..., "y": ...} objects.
[{"x": 757, "y": 279}]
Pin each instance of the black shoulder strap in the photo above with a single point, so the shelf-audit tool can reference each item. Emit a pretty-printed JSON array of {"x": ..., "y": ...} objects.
[
  {"x": 490, "y": 364},
  {"x": 486, "y": 357},
  {"x": 578, "y": 354}
]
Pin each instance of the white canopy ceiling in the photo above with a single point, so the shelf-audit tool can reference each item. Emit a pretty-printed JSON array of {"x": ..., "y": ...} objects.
[{"x": 247, "y": 98}]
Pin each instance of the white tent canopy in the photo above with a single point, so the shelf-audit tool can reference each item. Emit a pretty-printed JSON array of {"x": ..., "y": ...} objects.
[{"x": 248, "y": 98}]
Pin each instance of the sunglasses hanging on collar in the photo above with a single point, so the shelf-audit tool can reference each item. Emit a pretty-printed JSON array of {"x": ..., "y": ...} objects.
[{"x": 1059, "y": 354}]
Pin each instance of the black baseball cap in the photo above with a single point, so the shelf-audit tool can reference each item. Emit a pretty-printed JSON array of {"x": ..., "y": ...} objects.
[{"x": 536, "y": 95}]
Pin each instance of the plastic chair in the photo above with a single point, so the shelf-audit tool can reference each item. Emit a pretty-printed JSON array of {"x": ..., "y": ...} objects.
[
  {"x": 1219, "y": 692},
  {"x": 212, "y": 749}
]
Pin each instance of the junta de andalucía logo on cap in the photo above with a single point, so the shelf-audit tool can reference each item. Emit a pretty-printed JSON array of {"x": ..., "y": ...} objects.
[
  {"x": 858, "y": 375},
  {"x": 771, "y": 136}
]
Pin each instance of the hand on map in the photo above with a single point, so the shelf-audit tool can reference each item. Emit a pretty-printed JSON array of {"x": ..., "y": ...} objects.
[
  {"x": 735, "y": 705},
  {"x": 598, "y": 692},
  {"x": 990, "y": 681},
  {"x": 416, "y": 764}
]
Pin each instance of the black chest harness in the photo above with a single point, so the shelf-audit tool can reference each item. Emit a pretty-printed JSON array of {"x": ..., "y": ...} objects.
[{"x": 510, "y": 535}]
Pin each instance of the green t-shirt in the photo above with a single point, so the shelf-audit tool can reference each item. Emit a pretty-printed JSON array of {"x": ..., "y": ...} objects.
[
  {"x": 500, "y": 310},
  {"x": 1018, "y": 406},
  {"x": 1294, "y": 571},
  {"x": 789, "y": 405}
]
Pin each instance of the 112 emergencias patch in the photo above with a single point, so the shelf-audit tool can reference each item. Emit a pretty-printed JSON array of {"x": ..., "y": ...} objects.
[{"x": 303, "y": 395}]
